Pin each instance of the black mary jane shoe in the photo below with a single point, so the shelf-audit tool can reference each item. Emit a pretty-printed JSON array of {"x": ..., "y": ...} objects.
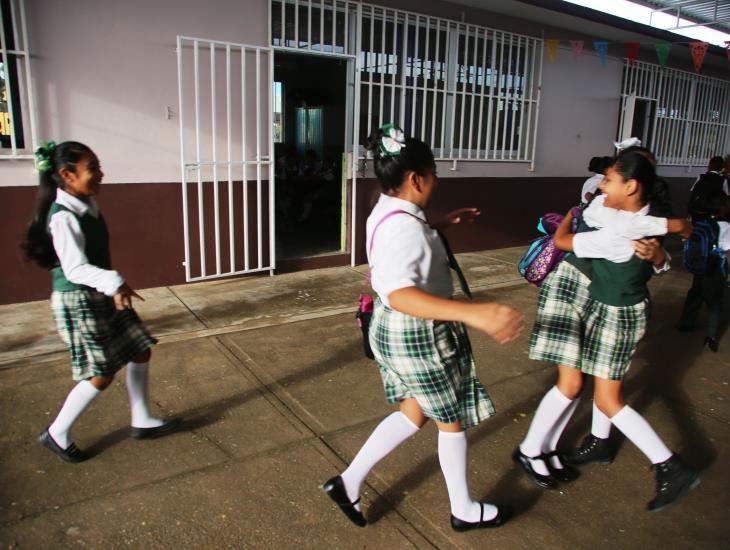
[
  {"x": 335, "y": 489},
  {"x": 503, "y": 514},
  {"x": 566, "y": 474},
  {"x": 158, "y": 431},
  {"x": 71, "y": 454},
  {"x": 543, "y": 481}
]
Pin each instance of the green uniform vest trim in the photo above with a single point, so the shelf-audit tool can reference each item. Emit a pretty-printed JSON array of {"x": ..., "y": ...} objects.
[
  {"x": 581, "y": 264},
  {"x": 96, "y": 248},
  {"x": 621, "y": 284}
]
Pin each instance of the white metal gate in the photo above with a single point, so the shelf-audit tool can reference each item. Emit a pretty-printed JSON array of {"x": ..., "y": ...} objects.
[{"x": 226, "y": 144}]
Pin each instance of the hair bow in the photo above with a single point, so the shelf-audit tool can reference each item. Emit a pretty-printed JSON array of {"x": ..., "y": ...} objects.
[
  {"x": 43, "y": 156},
  {"x": 629, "y": 142},
  {"x": 393, "y": 140}
]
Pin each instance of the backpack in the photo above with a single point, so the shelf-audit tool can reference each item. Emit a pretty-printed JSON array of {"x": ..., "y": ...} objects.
[
  {"x": 702, "y": 255},
  {"x": 708, "y": 184},
  {"x": 541, "y": 256}
]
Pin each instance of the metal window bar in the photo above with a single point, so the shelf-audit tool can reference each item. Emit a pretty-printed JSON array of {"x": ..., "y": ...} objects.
[
  {"x": 202, "y": 143},
  {"x": 462, "y": 85},
  {"x": 691, "y": 120},
  {"x": 21, "y": 109}
]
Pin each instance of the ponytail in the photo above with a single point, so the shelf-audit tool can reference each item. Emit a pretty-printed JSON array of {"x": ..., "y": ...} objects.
[{"x": 51, "y": 158}]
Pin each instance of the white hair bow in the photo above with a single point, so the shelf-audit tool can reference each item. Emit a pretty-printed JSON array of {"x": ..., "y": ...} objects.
[{"x": 629, "y": 142}]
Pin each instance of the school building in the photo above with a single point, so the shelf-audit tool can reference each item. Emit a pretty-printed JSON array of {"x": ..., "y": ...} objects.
[{"x": 232, "y": 132}]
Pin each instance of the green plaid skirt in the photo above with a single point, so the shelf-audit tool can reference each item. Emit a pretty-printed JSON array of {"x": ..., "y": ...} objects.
[
  {"x": 557, "y": 334},
  {"x": 430, "y": 361},
  {"x": 611, "y": 336},
  {"x": 101, "y": 339}
]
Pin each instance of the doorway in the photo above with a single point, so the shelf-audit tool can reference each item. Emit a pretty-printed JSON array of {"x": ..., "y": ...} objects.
[{"x": 309, "y": 100}]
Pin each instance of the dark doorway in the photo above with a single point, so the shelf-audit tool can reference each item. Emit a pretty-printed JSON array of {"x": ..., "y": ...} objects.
[
  {"x": 309, "y": 120},
  {"x": 643, "y": 124}
]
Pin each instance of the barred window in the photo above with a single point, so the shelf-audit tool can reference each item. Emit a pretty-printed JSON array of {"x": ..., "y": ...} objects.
[
  {"x": 683, "y": 117},
  {"x": 17, "y": 117}
]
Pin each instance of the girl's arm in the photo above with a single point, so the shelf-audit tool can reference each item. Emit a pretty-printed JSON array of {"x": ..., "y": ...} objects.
[
  {"x": 502, "y": 323},
  {"x": 69, "y": 243},
  {"x": 457, "y": 216},
  {"x": 563, "y": 238}
]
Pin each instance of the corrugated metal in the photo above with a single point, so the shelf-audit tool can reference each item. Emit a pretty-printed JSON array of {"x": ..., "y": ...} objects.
[{"x": 715, "y": 13}]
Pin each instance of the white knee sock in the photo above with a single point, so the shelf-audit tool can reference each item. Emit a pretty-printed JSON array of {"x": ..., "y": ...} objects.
[
  {"x": 137, "y": 377},
  {"x": 453, "y": 460},
  {"x": 552, "y": 442},
  {"x": 547, "y": 415},
  {"x": 640, "y": 433},
  {"x": 78, "y": 399},
  {"x": 390, "y": 433},
  {"x": 601, "y": 426}
]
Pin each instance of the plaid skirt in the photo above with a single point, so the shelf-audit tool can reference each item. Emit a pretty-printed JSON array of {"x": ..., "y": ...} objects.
[
  {"x": 101, "y": 339},
  {"x": 557, "y": 334},
  {"x": 611, "y": 336},
  {"x": 430, "y": 361}
]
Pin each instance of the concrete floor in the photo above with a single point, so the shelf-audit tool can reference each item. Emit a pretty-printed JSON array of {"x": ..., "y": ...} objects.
[{"x": 277, "y": 397}]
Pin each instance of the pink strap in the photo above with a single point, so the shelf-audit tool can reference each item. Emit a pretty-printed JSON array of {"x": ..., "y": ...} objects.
[{"x": 366, "y": 280}]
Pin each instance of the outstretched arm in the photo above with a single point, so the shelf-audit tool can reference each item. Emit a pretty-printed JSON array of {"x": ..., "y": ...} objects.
[{"x": 563, "y": 238}]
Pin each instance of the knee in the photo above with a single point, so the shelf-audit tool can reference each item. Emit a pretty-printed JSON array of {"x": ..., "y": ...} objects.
[
  {"x": 570, "y": 387},
  {"x": 143, "y": 357},
  {"x": 101, "y": 382},
  {"x": 608, "y": 405}
]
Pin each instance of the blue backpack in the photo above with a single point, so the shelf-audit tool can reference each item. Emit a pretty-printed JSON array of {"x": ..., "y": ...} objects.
[{"x": 701, "y": 252}]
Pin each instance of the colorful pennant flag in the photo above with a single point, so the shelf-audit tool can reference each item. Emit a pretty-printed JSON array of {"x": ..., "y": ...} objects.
[
  {"x": 727, "y": 48},
  {"x": 662, "y": 53},
  {"x": 632, "y": 51},
  {"x": 577, "y": 47},
  {"x": 699, "y": 49},
  {"x": 602, "y": 50},
  {"x": 552, "y": 47}
]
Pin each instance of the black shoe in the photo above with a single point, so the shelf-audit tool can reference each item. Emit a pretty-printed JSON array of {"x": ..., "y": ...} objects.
[
  {"x": 673, "y": 479},
  {"x": 712, "y": 343},
  {"x": 592, "y": 449},
  {"x": 70, "y": 454},
  {"x": 565, "y": 474},
  {"x": 546, "y": 482},
  {"x": 158, "y": 431},
  {"x": 335, "y": 489},
  {"x": 503, "y": 514}
]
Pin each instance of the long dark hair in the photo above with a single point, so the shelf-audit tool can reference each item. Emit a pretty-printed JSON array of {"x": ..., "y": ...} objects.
[
  {"x": 654, "y": 190},
  {"x": 37, "y": 244},
  {"x": 415, "y": 156}
]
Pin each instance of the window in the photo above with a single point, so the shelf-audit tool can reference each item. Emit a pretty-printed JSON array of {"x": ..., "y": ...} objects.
[
  {"x": 278, "y": 113},
  {"x": 683, "y": 117},
  {"x": 16, "y": 102}
]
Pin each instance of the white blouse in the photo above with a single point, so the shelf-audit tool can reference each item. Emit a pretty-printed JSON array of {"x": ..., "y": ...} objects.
[
  {"x": 406, "y": 251},
  {"x": 69, "y": 243}
]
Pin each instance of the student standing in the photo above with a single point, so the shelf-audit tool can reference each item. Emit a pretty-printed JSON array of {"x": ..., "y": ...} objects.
[
  {"x": 418, "y": 333},
  {"x": 91, "y": 303}
]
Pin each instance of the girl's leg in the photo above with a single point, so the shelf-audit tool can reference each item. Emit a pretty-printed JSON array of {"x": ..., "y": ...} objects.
[
  {"x": 547, "y": 420},
  {"x": 137, "y": 379},
  {"x": 674, "y": 478},
  {"x": 452, "y": 449},
  {"x": 388, "y": 435},
  {"x": 77, "y": 401}
]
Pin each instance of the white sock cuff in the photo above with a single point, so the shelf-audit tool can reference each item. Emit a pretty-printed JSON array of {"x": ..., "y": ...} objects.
[
  {"x": 619, "y": 416},
  {"x": 138, "y": 366},
  {"x": 452, "y": 435},
  {"x": 557, "y": 394},
  {"x": 600, "y": 423},
  {"x": 407, "y": 420},
  {"x": 87, "y": 388}
]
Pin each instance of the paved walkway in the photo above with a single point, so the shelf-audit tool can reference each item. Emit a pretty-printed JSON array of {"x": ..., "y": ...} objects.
[{"x": 269, "y": 376}]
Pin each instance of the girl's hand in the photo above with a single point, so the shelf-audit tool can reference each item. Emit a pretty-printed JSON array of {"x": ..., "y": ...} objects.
[
  {"x": 123, "y": 297},
  {"x": 650, "y": 250},
  {"x": 457, "y": 216},
  {"x": 680, "y": 226},
  {"x": 502, "y": 323}
]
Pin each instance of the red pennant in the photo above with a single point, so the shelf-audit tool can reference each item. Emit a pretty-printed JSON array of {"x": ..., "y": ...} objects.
[
  {"x": 577, "y": 47},
  {"x": 727, "y": 49},
  {"x": 632, "y": 51},
  {"x": 699, "y": 49}
]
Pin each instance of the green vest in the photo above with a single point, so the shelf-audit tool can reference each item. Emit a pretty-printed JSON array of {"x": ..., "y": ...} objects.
[
  {"x": 621, "y": 284},
  {"x": 96, "y": 249}
]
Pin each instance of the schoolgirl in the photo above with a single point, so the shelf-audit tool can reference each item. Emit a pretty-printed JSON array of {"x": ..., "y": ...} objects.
[
  {"x": 615, "y": 314},
  {"x": 91, "y": 303},
  {"x": 418, "y": 333}
]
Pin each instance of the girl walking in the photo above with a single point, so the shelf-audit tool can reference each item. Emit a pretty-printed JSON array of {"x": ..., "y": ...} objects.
[
  {"x": 91, "y": 303},
  {"x": 417, "y": 333},
  {"x": 614, "y": 317}
]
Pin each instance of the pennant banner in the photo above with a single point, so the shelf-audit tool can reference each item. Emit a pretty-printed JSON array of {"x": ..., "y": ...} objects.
[
  {"x": 699, "y": 49},
  {"x": 727, "y": 48},
  {"x": 577, "y": 47},
  {"x": 662, "y": 53},
  {"x": 552, "y": 47},
  {"x": 632, "y": 51},
  {"x": 602, "y": 51}
]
